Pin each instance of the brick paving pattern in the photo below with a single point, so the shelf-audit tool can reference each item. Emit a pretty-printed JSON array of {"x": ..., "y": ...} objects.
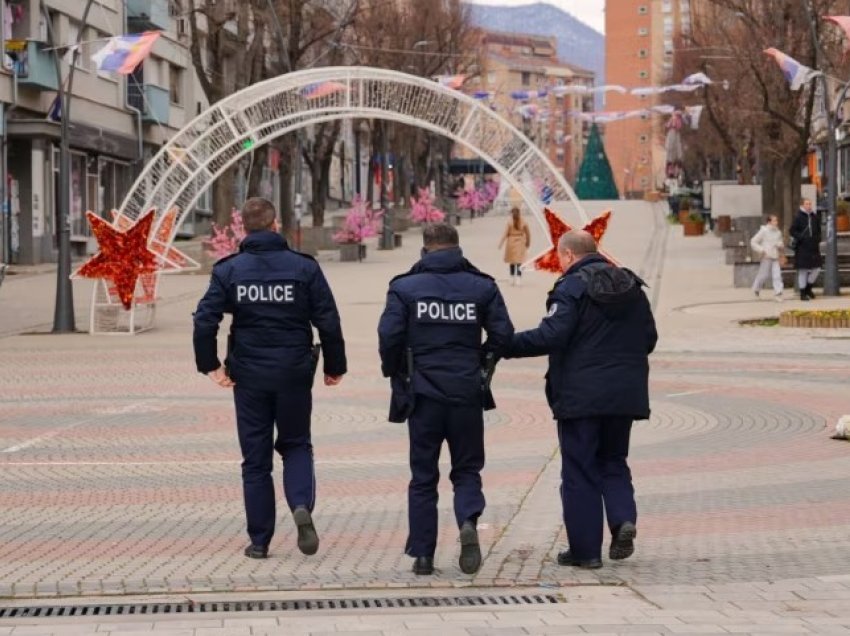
[{"x": 119, "y": 475}]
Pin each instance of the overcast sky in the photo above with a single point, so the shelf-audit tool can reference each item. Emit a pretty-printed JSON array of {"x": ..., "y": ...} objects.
[{"x": 591, "y": 12}]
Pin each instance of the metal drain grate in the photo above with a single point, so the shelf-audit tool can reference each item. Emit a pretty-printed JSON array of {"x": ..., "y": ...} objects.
[{"x": 149, "y": 609}]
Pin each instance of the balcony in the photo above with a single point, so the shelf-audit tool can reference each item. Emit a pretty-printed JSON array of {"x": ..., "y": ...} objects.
[
  {"x": 152, "y": 100},
  {"x": 147, "y": 15},
  {"x": 33, "y": 65}
]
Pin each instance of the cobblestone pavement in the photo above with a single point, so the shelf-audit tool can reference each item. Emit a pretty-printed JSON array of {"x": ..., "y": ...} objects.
[{"x": 119, "y": 471}]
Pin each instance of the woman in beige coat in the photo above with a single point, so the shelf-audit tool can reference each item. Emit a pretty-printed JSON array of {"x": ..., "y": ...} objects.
[{"x": 516, "y": 240}]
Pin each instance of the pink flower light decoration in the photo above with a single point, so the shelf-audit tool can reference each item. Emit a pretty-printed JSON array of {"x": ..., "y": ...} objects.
[
  {"x": 422, "y": 208},
  {"x": 225, "y": 239},
  {"x": 361, "y": 222}
]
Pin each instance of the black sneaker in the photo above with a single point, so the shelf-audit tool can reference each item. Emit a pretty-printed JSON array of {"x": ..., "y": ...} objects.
[
  {"x": 308, "y": 540},
  {"x": 470, "y": 550},
  {"x": 423, "y": 566},
  {"x": 623, "y": 541},
  {"x": 257, "y": 551},
  {"x": 565, "y": 558}
]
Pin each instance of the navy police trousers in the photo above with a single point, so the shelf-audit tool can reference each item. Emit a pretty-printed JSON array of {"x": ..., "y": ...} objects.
[
  {"x": 463, "y": 428},
  {"x": 257, "y": 413},
  {"x": 594, "y": 472}
]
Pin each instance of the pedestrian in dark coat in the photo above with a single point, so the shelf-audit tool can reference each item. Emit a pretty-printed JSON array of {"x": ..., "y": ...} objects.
[
  {"x": 431, "y": 349},
  {"x": 276, "y": 297},
  {"x": 598, "y": 333},
  {"x": 806, "y": 234}
]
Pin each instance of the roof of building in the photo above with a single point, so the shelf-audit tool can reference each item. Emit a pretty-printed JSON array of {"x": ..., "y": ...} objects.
[
  {"x": 537, "y": 64},
  {"x": 517, "y": 39}
]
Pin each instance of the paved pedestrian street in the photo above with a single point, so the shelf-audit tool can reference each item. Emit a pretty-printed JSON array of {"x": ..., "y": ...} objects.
[{"x": 119, "y": 471}]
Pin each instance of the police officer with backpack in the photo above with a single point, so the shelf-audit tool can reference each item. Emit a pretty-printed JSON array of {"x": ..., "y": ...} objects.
[
  {"x": 431, "y": 349},
  {"x": 598, "y": 333},
  {"x": 276, "y": 296}
]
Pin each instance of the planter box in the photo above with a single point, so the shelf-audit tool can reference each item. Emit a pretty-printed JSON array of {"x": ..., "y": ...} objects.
[
  {"x": 723, "y": 224},
  {"x": 842, "y": 222},
  {"x": 732, "y": 239},
  {"x": 684, "y": 215},
  {"x": 693, "y": 228},
  {"x": 787, "y": 319},
  {"x": 737, "y": 254},
  {"x": 401, "y": 220},
  {"x": 396, "y": 241},
  {"x": 352, "y": 252},
  {"x": 743, "y": 274},
  {"x": 314, "y": 239},
  {"x": 749, "y": 225}
]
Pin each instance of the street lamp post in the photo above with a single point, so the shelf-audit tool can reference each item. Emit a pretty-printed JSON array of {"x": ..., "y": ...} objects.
[
  {"x": 63, "y": 315},
  {"x": 387, "y": 240},
  {"x": 831, "y": 282}
]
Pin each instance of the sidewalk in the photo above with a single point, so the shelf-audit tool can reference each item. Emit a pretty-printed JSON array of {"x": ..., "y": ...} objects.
[{"x": 119, "y": 471}]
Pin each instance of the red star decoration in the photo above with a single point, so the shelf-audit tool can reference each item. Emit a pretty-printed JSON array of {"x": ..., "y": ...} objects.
[
  {"x": 123, "y": 257},
  {"x": 549, "y": 261}
]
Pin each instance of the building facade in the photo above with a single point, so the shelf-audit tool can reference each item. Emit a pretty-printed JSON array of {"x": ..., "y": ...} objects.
[
  {"x": 511, "y": 63},
  {"x": 117, "y": 122},
  {"x": 640, "y": 36}
]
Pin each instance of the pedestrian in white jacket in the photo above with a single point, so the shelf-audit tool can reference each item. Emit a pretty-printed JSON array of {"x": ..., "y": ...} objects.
[{"x": 769, "y": 244}]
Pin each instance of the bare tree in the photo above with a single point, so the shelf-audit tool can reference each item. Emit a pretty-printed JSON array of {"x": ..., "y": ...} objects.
[{"x": 757, "y": 109}]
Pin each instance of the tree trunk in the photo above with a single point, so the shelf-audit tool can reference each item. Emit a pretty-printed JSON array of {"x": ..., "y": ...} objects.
[
  {"x": 287, "y": 213},
  {"x": 223, "y": 202},
  {"x": 769, "y": 196},
  {"x": 255, "y": 178}
]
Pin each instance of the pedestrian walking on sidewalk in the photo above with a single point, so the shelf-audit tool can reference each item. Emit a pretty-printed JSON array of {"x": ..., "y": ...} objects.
[
  {"x": 806, "y": 234},
  {"x": 430, "y": 346},
  {"x": 516, "y": 239},
  {"x": 276, "y": 297},
  {"x": 769, "y": 244},
  {"x": 598, "y": 332}
]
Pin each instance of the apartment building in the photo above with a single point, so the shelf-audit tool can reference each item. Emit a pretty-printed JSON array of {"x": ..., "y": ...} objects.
[
  {"x": 640, "y": 36},
  {"x": 511, "y": 63},
  {"x": 116, "y": 122}
]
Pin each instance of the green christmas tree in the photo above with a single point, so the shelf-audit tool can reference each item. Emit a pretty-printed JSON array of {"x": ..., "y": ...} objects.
[{"x": 595, "y": 179}]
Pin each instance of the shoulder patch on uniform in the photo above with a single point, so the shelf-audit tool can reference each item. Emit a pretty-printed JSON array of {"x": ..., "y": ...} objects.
[{"x": 553, "y": 309}]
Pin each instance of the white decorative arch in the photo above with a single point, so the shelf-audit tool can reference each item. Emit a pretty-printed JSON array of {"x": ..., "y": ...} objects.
[{"x": 199, "y": 153}]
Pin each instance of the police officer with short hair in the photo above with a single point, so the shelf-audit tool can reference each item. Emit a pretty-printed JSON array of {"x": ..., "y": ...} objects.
[
  {"x": 274, "y": 294},
  {"x": 430, "y": 347},
  {"x": 598, "y": 333}
]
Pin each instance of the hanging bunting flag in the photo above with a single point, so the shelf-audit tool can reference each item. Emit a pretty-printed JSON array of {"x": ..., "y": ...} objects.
[
  {"x": 700, "y": 79},
  {"x": 844, "y": 22},
  {"x": 322, "y": 89},
  {"x": 529, "y": 94},
  {"x": 664, "y": 109},
  {"x": 694, "y": 113},
  {"x": 54, "y": 113},
  {"x": 451, "y": 81},
  {"x": 123, "y": 53},
  {"x": 795, "y": 73},
  {"x": 483, "y": 95}
]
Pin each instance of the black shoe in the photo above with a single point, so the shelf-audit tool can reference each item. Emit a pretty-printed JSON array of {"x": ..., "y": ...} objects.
[
  {"x": 308, "y": 540},
  {"x": 623, "y": 541},
  {"x": 257, "y": 551},
  {"x": 810, "y": 292},
  {"x": 803, "y": 294},
  {"x": 565, "y": 558},
  {"x": 470, "y": 550},
  {"x": 423, "y": 565}
]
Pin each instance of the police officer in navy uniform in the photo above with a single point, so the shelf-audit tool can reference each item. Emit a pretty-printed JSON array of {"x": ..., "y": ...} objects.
[
  {"x": 598, "y": 333},
  {"x": 274, "y": 294},
  {"x": 430, "y": 347}
]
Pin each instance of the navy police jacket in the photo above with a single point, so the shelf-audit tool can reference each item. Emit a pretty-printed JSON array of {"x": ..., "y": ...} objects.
[
  {"x": 275, "y": 294},
  {"x": 598, "y": 333},
  {"x": 437, "y": 311}
]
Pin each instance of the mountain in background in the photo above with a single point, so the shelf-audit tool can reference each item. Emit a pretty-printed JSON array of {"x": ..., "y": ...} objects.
[{"x": 578, "y": 43}]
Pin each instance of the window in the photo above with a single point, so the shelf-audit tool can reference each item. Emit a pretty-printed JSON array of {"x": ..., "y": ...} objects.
[
  {"x": 666, "y": 6},
  {"x": 643, "y": 139},
  {"x": 643, "y": 10},
  {"x": 643, "y": 74},
  {"x": 175, "y": 84},
  {"x": 643, "y": 53},
  {"x": 526, "y": 78},
  {"x": 643, "y": 31},
  {"x": 644, "y": 182}
]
